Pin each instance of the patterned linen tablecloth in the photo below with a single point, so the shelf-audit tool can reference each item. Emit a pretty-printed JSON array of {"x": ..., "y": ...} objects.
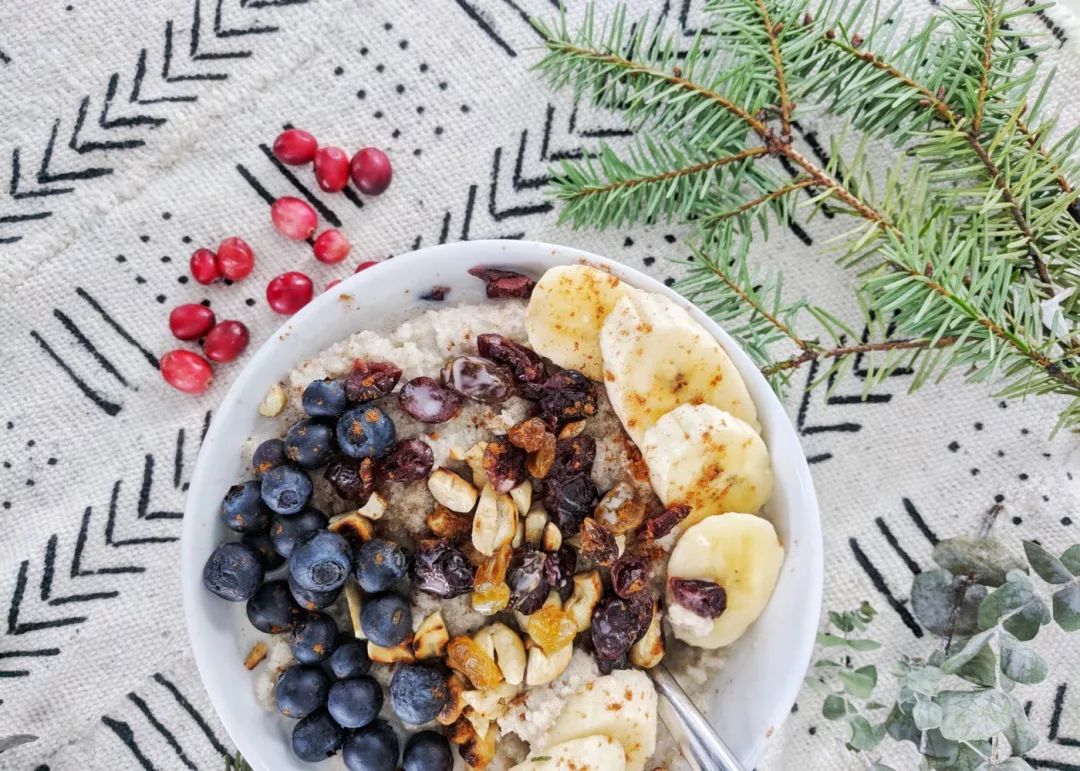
[{"x": 134, "y": 132}]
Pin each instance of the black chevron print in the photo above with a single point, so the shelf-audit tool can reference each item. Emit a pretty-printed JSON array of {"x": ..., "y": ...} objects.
[{"x": 53, "y": 177}]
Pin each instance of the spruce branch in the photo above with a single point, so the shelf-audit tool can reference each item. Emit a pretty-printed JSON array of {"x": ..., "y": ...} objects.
[{"x": 816, "y": 354}]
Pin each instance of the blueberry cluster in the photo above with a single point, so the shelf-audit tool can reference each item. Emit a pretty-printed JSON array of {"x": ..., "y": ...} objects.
[{"x": 290, "y": 565}]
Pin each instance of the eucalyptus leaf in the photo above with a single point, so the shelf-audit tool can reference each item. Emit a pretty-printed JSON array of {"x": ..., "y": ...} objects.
[
  {"x": 1071, "y": 559},
  {"x": 968, "y": 652},
  {"x": 969, "y": 757},
  {"x": 835, "y": 707},
  {"x": 973, "y": 715},
  {"x": 1067, "y": 607},
  {"x": 901, "y": 726},
  {"x": 841, "y": 621},
  {"x": 1008, "y": 764},
  {"x": 1016, "y": 607},
  {"x": 1022, "y": 736},
  {"x": 880, "y": 767},
  {"x": 1050, "y": 568},
  {"x": 927, "y": 715},
  {"x": 860, "y": 682},
  {"x": 982, "y": 668},
  {"x": 1020, "y": 662},
  {"x": 816, "y": 685},
  {"x": 923, "y": 679},
  {"x": 985, "y": 560},
  {"x": 864, "y": 645},
  {"x": 865, "y": 736},
  {"x": 933, "y": 593}
]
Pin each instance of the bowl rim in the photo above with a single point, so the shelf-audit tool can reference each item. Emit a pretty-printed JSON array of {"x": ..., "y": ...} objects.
[{"x": 511, "y": 251}]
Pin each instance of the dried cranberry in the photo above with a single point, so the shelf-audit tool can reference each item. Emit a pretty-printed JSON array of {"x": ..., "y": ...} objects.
[
  {"x": 478, "y": 378},
  {"x": 569, "y": 499},
  {"x": 351, "y": 479},
  {"x": 559, "y": 570},
  {"x": 503, "y": 283},
  {"x": 436, "y": 294},
  {"x": 527, "y": 579},
  {"x": 641, "y": 604},
  {"x": 597, "y": 543},
  {"x": 526, "y": 364},
  {"x": 411, "y": 460},
  {"x": 607, "y": 666},
  {"x": 705, "y": 598},
  {"x": 427, "y": 401},
  {"x": 574, "y": 456},
  {"x": 504, "y": 464},
  {"x": 370, "y": 380},
  {"x": 614, "y": 627},
  {"x": 630, "y": 575},
  {"x": 664, "y": 522},
  {"x": 441, "y": 569},
  {"x": 566, "y": 396}
]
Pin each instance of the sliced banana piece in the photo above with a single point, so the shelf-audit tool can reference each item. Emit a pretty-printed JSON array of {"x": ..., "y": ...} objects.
[
  {"x": 565, "y": 313},
  {"x": 706, "y": 458},
  {"x": 657, "y": 357},
  {"x": 741, "y": 553},
  {"x": 621, "y": 705},
  {"x": 589, "y": 753}
]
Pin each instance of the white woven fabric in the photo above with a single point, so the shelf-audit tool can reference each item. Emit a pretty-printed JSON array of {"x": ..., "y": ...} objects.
[{"x": 159, "y": 113}]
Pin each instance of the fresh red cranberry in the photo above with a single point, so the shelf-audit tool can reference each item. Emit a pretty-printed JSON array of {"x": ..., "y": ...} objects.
[
  {"x": 190, "y": 321},
  {"x": 293, "y": 218},
  {"x": 331, "y": 246},
  {"x": 365, "y": 265},
  {"x": 235, "y": 259},
  {"x": 332, "y": 283},
  {"x": 295, "y": 147},
  {"x": 226, "y": 341},
  {"x": 204, "y": 267},
  {"x": 371, "y": 171},
  {"x": 186, "y": 371},
  {"x": 331, "y": 168},
  {"x": 289, "y": 292}
]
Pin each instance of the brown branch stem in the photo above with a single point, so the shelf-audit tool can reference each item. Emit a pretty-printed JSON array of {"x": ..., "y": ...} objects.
[
  {"x": 817, "y": 354},
  {"x": 770, "y": 196},
  {"x": 984, "y": 74},
  {"x": 781, "y": 81},
  {"x": 770, "y": 317},
  {"x": 1035, "y": 143}
]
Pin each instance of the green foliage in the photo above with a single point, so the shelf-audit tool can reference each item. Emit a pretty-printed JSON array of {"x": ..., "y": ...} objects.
[
  {"x": 957, "y": 707},
  {"x": 967, "y": 246},
  {"x": 237, "y": 763}
]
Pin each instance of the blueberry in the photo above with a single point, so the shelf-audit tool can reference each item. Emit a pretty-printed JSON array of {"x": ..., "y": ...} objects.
[
  {"x": 309, "y": 444},
  {"x": 300, "y": 691},
  {"x": 310, "y": 600},
  {"x": 372, "y": 748},
  {"x": 264, "y": 549},
  {"x": 380, "y": 564},
  {"x": 321, "y": 563},
  {"x": 325, "y": 398},
  {"x": 366, "y": 432},
  {"x": 243, "y": 510},
  {"x": 286, "y": 531},
  {"x": 349, "y": 658},
  {"x": 418, "y": 693},
  {"x": 312, "y": 638},
  {"x": 428, "y": 751},
  {"x": 233, "y": 572},
  {"x": 317, "y": 737},
  {"x": 355, "y": 702},
  {"x": 286, "y": 489},
  {"x": 386, "y": 619},
  {"x": 272, "y": 609},
  {"x": 270, "y": 454}
]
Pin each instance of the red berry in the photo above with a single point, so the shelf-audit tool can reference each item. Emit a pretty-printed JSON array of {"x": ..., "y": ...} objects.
[
  {"x": 204, "y": 267},
  {"x": 295, "y": 147},
  {"x": 371, "y": 172},
  {"x": 186, "y": 371},
  {"x": 190, "y": 321},
  {"x": 331, "y": 169},
  {"x": 289, "y": 292},
  {"x": 293, "y": 218},
  {"x": 331, "y": 246},
  {"x": 226, "y": 341},
  {"x": 365, "y": 265},
  {"x": 331, "y": 284},
  {"x": 235, "y": 259}
]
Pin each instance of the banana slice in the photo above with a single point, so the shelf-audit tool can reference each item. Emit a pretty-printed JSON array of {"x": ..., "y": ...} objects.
[
  {"x": 590, "y": 753},
  {"x": 621, "y": 705},
  {"x": 741, "y": 553},
  {"x": 657, "y": 357},
  {"x": 567, "y": 308},
  {"x": 704, "y": 457}
]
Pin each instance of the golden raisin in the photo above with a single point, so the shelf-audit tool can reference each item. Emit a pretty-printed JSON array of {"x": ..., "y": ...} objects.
[
  {"x": 464, "y": 655},
  {"x": 528, "y": 434},
  {"x": 552, "y": 628},
  {"x": 490, "y": 592},
  {"x": 539, "y": 463}
]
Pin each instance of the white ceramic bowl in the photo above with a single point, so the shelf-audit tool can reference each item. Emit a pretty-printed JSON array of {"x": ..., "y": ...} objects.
[{"x": 764, "y": 670}]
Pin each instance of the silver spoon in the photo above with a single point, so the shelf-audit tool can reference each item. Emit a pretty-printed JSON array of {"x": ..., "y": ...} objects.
[{"x": 706, "y": 746}]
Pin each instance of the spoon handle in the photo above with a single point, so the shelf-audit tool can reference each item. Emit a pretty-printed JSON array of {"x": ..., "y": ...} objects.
[{"x": 708, "y": 749}]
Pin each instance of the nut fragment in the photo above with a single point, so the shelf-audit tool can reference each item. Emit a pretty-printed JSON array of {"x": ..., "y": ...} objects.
[
  {"x": 543, "y": 668},
  {"x": 479, "y": 723},
  {"x": 535, "y": 522},
  {"x": 356, "y": 529},
  {"x": 352, "y": 599},
  {"x": 570, "y": 430},
  {"x": 465, "y": 656},
  {"x": 476, "y": 750},
  {"x": 475, "y": 459},
  {"x": 452, "y": 491},
  {"x": 451, "y": 711},
  {"x": 519, "y": 537},
  {"x": 588, "y": 588},
  {"x": 399, "y": 653},
  {"x": 551, "y": 539},
  {"x": 553, "y": 601},
  {"x": 649, "y": 650},
  {"x": 274, "y": 401},
  {"x": 522, "y": 497},
  {"x": 375, "y": 507},
  {"x": 492, "y": 703},
  {"x": 620, "y": 544},
  {"x": 538, "y": 463},
  {"x": 494, "y": 522},
  {"x": 448, "y": 524},
  {"x": 503, "y": 644},
  {"x": 621, "y": 509},
  {"x": 258, "y": 653},
  {"x": 431, "y": 637}
]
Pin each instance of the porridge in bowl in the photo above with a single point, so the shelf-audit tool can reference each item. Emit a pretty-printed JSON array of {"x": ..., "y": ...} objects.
[{"x": 468, "y": 535}]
